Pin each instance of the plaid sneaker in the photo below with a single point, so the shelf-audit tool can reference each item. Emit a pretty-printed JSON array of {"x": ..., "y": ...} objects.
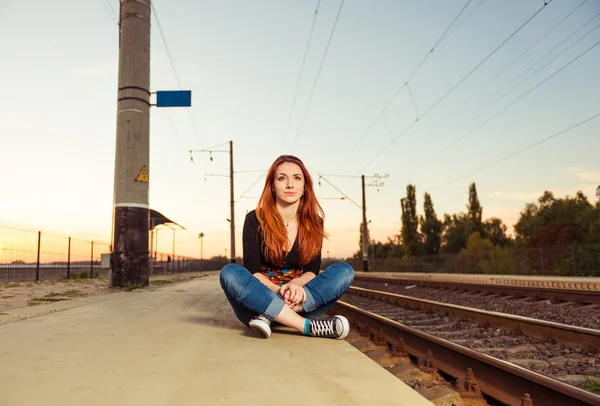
[
  {"x": 262, "y": 325},
  {"x": 334, "y": 327}
]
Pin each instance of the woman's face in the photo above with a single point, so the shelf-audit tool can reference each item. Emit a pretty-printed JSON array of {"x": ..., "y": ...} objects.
[{"x": 288, "y": 183}]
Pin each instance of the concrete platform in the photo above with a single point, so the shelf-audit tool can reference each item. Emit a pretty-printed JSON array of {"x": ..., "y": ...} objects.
[{"x": 179, "y": 344}]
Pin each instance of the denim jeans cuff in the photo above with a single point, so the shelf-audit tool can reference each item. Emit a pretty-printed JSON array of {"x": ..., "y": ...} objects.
[
  {"x": 274, "y": 309},
  {"x": 309, "y": 304}
]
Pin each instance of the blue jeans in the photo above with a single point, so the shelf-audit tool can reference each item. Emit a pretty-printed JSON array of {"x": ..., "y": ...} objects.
[{"x": 249, "y": 297}]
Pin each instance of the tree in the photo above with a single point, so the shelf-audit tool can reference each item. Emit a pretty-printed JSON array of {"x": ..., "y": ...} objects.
[
  {"x": 487, "y": 258},
  {"x": 456, "y": 232},
  {"x": 529, "y": 222},
  {"x": 558, "y": 221},
  {"x": 410, "y": 223},
  {"x": 475, "y": 210},
  {"x": 431, "y": 228},
  {"x": 557, "y": 234},
  {"x": 495, "y": 230}
]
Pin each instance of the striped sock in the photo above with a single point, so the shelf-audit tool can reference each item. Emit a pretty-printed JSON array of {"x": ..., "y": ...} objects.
[{"x": 306, "y": 323}]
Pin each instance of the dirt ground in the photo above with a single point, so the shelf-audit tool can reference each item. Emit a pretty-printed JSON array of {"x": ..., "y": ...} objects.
[{"x": 15, "y": 295}]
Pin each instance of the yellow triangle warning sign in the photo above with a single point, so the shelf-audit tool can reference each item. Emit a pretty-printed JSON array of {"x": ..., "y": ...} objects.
[{"x": 143, "y": 176}]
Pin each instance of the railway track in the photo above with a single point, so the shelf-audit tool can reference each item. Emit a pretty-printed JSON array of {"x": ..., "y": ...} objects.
[
  {"x": 557, "y": 290},
  {"x": 458, "y": 339},
  {"x": 553, "y": 310}
]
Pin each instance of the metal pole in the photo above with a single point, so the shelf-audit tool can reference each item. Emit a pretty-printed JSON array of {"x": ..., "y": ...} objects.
[
  {"x": 173, "y": 253},
  {"x": 92, "y": 262},
  {"x": 232, "y": 223},
  {"x": 69, "y": 260},
  {"x": 201, "y": 237},
  {"x": 156, "y": 245},
  {"x": 37, "y": 267},
  {"x": 364, "y": 233},
  {"x": 132, "y": 156}
]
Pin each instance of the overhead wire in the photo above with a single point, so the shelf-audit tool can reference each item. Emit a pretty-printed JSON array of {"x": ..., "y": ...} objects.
[
  {"x": 445, "y": 149},
  {"x": 438, "y": 101},
  {"x": 162, "y": 36},
  {"x": 111, "y": 11},
  {"x": 516, "y": 84},
  {"x": 395, "y": 96},
  {"x": 176, "y": 132},
  {"x": 486, "y": 58},
  {"x": 339, "y": 190},
  {"x": 302, "y": 69},
  {"x": 519, "y": 151},
  {"x": 319, "y": 71},
  {"x": 512, "y": 62},
  {"x": 457, "y": 26},
  {"x": 413, "y": 100},
  {"x": 251, "y": 186}
]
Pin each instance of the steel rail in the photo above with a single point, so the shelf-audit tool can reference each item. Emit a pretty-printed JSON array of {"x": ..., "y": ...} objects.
[
  {"x": 540, "y": 329},
  {"x": 560, "y": 290},
  {"x": 497, "y": 379}
]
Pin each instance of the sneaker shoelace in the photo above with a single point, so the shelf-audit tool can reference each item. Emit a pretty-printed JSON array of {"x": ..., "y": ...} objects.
[{"x": 322, "y": 328}]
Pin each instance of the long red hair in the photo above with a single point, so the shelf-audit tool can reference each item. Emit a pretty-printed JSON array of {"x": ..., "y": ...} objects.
[{"x": 310, "y": 218}]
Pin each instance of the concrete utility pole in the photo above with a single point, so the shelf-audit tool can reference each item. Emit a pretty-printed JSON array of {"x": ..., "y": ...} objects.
[
  {"x": 376, "y": 183},
  {"x": 231, "y": 218},
  {"x": 232, "y": 202},
  {"x": 132, "y": 167},
  {"x": 365, "y": 249}
]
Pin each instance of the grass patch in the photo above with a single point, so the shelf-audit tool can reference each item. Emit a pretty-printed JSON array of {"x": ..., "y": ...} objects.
[
  {"x": 68, "y": 293},
  {"x": 40, "y": 300},
  {"x": 55, "y": 297},
  {"x": 591, "y": 385},
  {"x": 160, "y": 282},
  {"x": 131, "y": 288}
]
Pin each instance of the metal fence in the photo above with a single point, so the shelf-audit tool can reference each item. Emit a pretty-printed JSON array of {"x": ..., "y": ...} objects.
[
  {"x": 575, "y": 260},
  {"x": 28, "y": 255},
  {"x": 164, "y": 264}
]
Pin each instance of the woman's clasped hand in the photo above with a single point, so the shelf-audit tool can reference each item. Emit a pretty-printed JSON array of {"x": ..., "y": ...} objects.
[{"x": 292, "y": 293}]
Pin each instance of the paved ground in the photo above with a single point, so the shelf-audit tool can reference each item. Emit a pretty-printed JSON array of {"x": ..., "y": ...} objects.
[{"x": 178, "y": 344}]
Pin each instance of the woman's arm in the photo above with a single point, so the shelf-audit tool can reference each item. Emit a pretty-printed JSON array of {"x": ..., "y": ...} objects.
[
  {"x": 251, "y": 244},
  {"x": 303, "y": 279},
  {"x": 265, "y": 281},
  {"x": 313, "y": 267},
  {"x": 309, "y": 272}
]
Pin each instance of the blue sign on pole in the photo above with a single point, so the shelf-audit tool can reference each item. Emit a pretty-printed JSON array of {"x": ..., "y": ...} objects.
[{"x": 174, "y": 98}]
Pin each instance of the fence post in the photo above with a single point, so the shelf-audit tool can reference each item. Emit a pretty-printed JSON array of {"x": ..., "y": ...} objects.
[
  {"x": 92, "y": 262},
  {"x": 516, "y": 252},
  {"x": 69, "y": 260},
  {"x": 37, "y": 267}
]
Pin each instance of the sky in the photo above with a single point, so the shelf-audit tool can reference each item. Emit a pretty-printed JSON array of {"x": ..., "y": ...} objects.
[{"x": 392, "y": 92}]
